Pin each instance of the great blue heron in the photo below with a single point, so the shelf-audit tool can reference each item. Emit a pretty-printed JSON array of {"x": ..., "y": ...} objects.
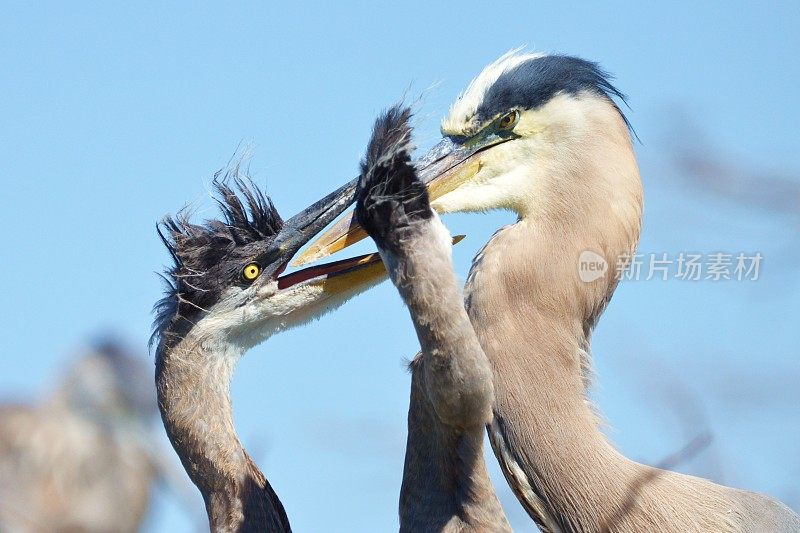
[
  {"x": 541, "y": 135},
  {"x": 85, "y": 459},
  {"x": 445, "y": 483},
  {"x": 225, "y": 295}
]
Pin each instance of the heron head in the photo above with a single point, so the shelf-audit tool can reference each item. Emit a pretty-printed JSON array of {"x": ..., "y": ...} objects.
[
  {"x": 227, "y": 283},
  {"x": 527, "y": 125},
  {"x": 535, "y": 134}
]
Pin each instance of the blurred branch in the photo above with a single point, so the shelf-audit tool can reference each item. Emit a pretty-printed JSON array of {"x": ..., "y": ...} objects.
[
  {"x": 772, "y": 192},
  {"x": 709, "y": 169}
]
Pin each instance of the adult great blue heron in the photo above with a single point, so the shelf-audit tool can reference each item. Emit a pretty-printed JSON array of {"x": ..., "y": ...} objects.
[
  {"x": 542, "y": 136},
  {"x": 225, "y": 295},
  {"x": 445, "y": 483}
]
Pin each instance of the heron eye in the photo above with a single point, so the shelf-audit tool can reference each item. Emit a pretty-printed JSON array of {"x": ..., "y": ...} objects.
[
  {"x": 508, "y": 121},
  {"x": 251, "y": 271}
]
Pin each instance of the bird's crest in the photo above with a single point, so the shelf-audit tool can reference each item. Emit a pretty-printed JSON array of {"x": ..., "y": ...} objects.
[{"x": 200, "y": 252}]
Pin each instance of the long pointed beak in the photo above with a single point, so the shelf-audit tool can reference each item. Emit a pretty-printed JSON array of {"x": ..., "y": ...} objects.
[
  {"x": 305, "y": 225},
  {"x": 445, "y": 167}
]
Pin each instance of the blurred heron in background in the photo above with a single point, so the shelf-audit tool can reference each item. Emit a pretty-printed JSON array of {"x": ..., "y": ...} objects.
[
  {"x": 544, "y": 137},
  {"x": 85, "y": 458}
]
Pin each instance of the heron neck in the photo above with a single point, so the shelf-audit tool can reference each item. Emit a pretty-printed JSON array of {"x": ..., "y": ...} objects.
[
  {"x": 533, "y": 316},
  {"x": 193, "y": 384}
]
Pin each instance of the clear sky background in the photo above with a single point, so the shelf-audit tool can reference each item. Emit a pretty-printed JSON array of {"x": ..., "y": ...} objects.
[{"x": 114, "y": 114}]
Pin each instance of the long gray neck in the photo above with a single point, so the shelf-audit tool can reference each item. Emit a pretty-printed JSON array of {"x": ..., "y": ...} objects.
[
  {"x": 446, "y": 486},
  {"x": 193, "y": 384},
  {"x": 533, "y": 316}
]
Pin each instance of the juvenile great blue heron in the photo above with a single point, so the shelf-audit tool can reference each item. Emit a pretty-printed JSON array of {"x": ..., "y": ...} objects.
[
  {"x": 84, "y": 459},
  {"x": 225, "y": 295},
  {"x": 445, "y": 483},
  {"x": 541, "y": 136}
]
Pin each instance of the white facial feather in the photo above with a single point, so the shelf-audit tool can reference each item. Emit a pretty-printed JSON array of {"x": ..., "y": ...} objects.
[
  {"x": 539, "y": 170},
  {"x": 244, "y": 319}
]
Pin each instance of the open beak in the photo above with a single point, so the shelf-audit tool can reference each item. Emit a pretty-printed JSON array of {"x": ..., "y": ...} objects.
[
  {"x": 304, "y": 226},
  {"x": 338, "y": 276},
  {"x": 445, "y": 167}
]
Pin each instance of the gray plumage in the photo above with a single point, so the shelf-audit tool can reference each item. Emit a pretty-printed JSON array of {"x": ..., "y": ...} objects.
[{"x": 445, "y": 483}]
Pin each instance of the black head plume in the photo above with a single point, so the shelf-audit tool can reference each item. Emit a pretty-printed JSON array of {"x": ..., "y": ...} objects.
[
  {"x": 390, "y": 196},
  {"x": 207, "y": 258},
  {"x": 534, "y": 82}
]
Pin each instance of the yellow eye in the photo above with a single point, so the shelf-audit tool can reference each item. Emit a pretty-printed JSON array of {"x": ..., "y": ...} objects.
[
  {"x": 508, "y": 121},
  {"x": 251, "y": 271}
]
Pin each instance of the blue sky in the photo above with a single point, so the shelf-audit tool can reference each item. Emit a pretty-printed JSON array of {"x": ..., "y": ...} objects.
[{"x": 114, "y": 114}]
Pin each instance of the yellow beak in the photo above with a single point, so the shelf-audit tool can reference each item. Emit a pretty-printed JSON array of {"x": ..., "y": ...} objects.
[
  {"x": 444, "y": 169},
  {"x": 357, "y": 272}
]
